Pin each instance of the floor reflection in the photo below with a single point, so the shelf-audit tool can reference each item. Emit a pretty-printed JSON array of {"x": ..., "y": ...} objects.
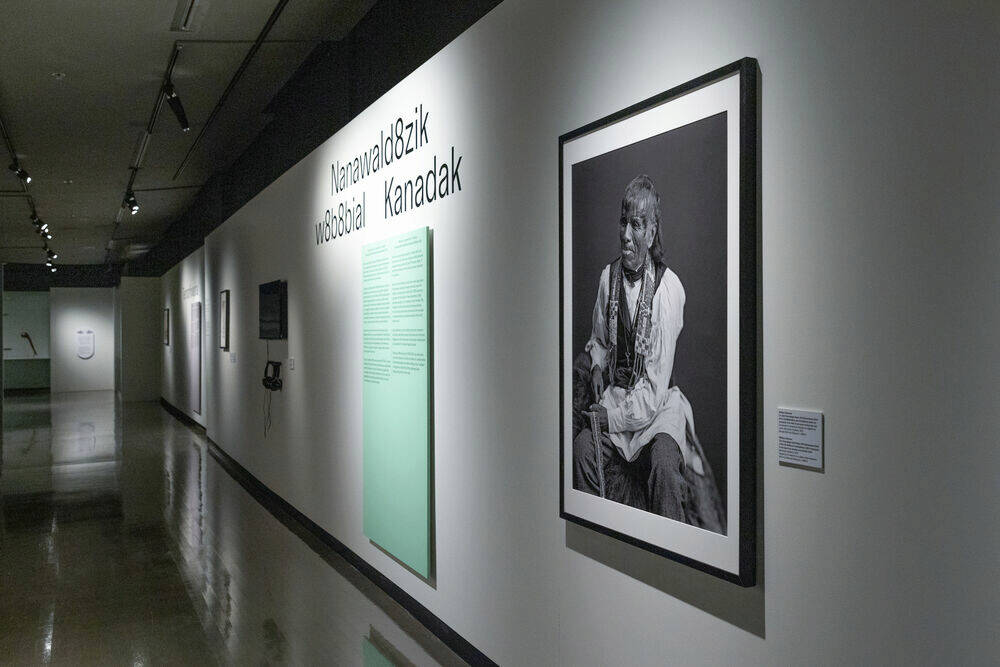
[{"x": 122, "y": 540}]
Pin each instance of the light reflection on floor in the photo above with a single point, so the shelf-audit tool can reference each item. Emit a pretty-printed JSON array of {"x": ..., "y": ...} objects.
[{"x": 122, "y": 541}]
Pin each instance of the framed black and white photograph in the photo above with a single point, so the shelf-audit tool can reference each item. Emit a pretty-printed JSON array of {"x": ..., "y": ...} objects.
[
  {"x": 166, "y": 326},
  {"x": 659, "y": 320},
  {"x": 224, "y": 319}
]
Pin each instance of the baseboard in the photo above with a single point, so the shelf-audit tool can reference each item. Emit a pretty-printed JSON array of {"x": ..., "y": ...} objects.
[
  {"x": 284, "y": 511},
  {"x": 180, "y": 416},
  {"x": 26, "y": 391}
]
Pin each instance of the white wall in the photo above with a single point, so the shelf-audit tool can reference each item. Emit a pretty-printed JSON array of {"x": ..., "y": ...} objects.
[
  {"x": 880, "y": 163},
  {"x": 84, "y": 309},
  {"x": 181, "y": 376},
  {"x": 141, "y": 336}
]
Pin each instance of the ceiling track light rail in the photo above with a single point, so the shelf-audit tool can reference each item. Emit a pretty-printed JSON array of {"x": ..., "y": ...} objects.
[
  {"x": 251, "y": 52},
  {"x": 170, "y": 187},
  {"x": 166, "y": 87},
  {"x": 184, "y": 15},
  {"x": 15, "y": 166},
  {"x": 41, "y": 228},
  {"x": 168, "y": 92},
  {"x": 175, "y": 105},
  {"x": 140, "y": 154}
]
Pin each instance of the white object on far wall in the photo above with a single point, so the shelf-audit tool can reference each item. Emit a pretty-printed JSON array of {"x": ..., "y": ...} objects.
[
  {"x": 85, "y": 344},
  {"x": 77, "y": 365}
]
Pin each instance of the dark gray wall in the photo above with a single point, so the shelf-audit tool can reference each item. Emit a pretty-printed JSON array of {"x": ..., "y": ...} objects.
[{"x": 37, "y": 277}]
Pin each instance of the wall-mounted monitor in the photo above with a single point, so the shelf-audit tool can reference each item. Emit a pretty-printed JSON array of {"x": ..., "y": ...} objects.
[{"x": 273, "y": 310}]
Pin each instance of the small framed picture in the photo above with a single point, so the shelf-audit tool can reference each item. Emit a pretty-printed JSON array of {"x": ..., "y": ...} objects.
[
  {"x": 224, "y": 319},
  {"x": 659, "y": 323},
  {"x": 166, "y": 326}
]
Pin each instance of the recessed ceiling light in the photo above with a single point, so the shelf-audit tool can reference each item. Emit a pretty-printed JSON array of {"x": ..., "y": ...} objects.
[
  {"x": 58, "y": 76},
  {"x": 68, "y": 181}
]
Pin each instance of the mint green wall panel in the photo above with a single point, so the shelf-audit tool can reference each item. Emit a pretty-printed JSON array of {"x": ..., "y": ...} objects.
[
  {"x": 372, "y": 657},
  {"x": 397, "y": 396},
  {"x": 26, "y": 373},
  {"x": 26, "y": 313}
]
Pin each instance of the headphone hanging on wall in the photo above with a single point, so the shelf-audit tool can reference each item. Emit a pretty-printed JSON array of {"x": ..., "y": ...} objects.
[{"x": 272, "y": 376}]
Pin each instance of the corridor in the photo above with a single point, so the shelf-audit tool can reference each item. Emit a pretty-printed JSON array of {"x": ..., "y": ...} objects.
[{"x": 123, "y": 541}]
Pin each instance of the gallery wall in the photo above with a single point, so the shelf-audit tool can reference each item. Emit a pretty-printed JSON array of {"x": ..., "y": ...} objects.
[
  {"x": 182, "y": 288},
  {"x": 79, "y": 316},
  {"x": 76, "y": 314},
  {"x": 141, "y": 338},
  {"x": 879, "y": 309}
]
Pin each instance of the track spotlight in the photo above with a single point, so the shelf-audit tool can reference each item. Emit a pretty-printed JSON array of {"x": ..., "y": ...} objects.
[
  {"x": 53, "y": 269},
  {"x": 175, "y": 105},
  {"x": 48, "y": 263},
  {"x": 51, "y": 254},
  {"x": 20, "y": 173},
  {"x": 130, "y": 203}
]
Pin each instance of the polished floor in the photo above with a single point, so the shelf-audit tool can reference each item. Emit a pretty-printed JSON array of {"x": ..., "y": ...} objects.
[{"x": 123, "y": 541}]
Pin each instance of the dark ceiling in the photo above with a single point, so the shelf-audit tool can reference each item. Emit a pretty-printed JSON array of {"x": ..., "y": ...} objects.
[{"x": 78, "y": 84}]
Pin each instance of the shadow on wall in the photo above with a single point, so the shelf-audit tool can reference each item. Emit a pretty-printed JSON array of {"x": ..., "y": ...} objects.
[{"x": 742, "y": 607}]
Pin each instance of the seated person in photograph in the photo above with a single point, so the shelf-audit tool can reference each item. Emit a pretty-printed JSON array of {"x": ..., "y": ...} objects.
[{"x": 645, "y": 453}]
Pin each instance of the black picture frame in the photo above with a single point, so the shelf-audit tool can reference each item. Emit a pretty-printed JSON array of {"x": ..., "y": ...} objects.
[
  {"x": 740, "y": 557},
  {"x": 224, "y": 319}
]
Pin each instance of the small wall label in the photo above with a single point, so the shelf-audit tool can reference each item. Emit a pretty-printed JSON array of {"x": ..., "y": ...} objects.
[{"x": 800, "y": 438}]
